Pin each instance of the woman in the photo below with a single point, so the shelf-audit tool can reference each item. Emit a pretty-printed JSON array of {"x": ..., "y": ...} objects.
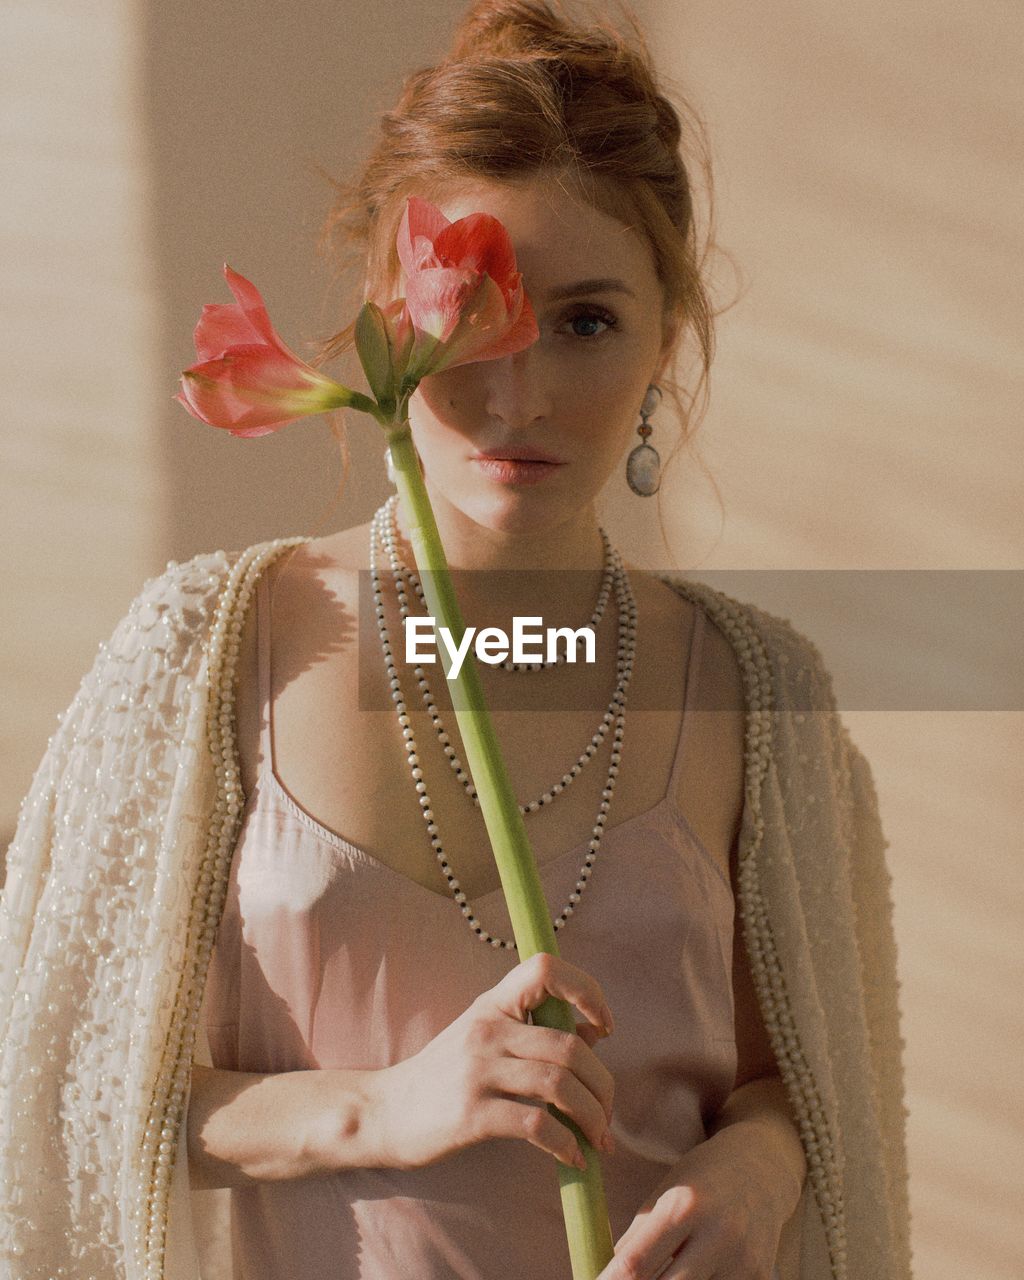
[{"x": 258, "y": 976}]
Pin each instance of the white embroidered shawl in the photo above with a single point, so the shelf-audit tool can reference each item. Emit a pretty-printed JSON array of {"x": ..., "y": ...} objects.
[{"x": 115, "y": 885}]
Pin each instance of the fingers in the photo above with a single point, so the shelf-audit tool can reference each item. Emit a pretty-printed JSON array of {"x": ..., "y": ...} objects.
[
  {"x": 529, "y": 984},
  {"x": 557, "y": 1085},
  {"x": 518, "y": 1061},
  {"x": 590, "y": 1035},
  {"x": 544, "y": 1044},
  {"x": 666, "y": 1241},
  {"x": 643, "y": 1250},
  {"x": 696, "y": 1261},
  {"x": 538, "y": 1126},
  {"x": 650, "y": 1252}
]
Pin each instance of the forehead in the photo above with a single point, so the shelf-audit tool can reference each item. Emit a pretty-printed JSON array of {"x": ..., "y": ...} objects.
[{"x": 558, "y": 236}]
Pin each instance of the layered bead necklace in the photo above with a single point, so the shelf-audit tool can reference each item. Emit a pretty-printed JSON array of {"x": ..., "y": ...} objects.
[{"x": 384, "y": 535}]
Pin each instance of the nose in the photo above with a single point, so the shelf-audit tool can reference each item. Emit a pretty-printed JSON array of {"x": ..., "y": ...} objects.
[{"x": 518, "y": 392}]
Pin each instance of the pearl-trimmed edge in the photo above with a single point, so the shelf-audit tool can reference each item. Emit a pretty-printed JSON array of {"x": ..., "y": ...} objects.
[
  {"x": 167, "y": 1104},
  {"x": 766, "y": 971}
]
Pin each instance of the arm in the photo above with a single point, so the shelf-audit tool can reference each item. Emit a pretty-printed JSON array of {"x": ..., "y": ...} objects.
[
  {"x": 721, "y": 1210},
  {"x": 248, "y": 1127},
  {"x": 757, "y": 1115},
  {"x": 756, "y": 1123}
]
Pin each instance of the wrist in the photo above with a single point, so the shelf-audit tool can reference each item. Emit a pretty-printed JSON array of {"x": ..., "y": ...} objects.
[
  {"x": 350, "y": 1131},
  {"x": 757, "y": 1127}
]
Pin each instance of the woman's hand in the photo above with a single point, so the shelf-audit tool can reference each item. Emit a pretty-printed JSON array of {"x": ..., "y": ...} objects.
[
  {"x": 466, "y": 1085},
  {"x": 717, "y": 1216}
]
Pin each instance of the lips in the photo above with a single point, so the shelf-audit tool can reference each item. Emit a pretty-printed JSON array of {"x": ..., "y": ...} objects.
[
  {"x": 517, "y": 465},
  {"x": 519, "y": 453}
]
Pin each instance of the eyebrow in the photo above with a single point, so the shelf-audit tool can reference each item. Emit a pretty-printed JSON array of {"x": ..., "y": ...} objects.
[{"x": 607, "y": 284}]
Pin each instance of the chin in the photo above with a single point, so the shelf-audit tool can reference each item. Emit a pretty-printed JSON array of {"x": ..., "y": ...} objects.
[{"x": 514, "y": 511}]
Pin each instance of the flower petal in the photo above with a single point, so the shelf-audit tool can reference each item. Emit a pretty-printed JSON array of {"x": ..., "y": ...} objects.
[
  {"x": 463, "y": 294},
  {"x": 482, "y": 322},
  {"x": 421, "y": 220},
  {"x": 402, "y": 332},
  {"x": 522, "y": 333},
  {"x": 255, "y": 310},
  {"x": 222, "y": 325},
  {"x": 256, "y": 386},
  {"x": 251, "y": 302},
  {"x": 213, "y": 402},
  {"x": 478, "y": 242},
  {"x": 436, "y": 298}
]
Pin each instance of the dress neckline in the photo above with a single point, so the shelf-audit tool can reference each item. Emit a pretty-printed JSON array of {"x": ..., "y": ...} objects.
[{"x": 612, "y": 834}]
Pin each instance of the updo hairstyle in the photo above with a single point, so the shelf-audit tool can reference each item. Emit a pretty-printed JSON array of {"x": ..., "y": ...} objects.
[{"x": 526, "y": 88}]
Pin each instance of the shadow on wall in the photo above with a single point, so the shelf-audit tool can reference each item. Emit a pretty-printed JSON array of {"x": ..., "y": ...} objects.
[{"x": 241, "y": 103}]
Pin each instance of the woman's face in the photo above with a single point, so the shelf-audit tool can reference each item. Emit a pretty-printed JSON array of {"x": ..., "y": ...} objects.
[{"x": 525, "y": 443}]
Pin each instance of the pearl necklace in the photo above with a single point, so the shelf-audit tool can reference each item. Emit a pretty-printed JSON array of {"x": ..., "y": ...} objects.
[
  {"x": 628, "y": 609},
  {"x": 385, "y": 529}
]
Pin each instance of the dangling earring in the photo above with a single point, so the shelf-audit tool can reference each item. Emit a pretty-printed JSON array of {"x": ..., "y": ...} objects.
[{"x": 643, "y": 466}]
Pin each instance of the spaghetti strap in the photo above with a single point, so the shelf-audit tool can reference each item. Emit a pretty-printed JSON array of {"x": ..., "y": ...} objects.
[
  {"x": 264, "y": 708},
  {"x": 689, "y": 696}
]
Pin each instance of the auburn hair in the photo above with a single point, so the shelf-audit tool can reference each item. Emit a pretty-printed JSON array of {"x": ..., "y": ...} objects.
[{"x": 526, "y": 88}]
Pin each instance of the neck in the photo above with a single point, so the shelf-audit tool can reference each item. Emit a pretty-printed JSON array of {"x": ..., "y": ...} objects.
[
  {"x": 554, "y": 573},
  {"x": 570, "y": 543}
]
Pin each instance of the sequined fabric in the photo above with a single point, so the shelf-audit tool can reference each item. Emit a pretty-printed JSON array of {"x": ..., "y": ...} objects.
[
  {"x": 115, "y": 885},
  {"x": 93, "y": 936}
]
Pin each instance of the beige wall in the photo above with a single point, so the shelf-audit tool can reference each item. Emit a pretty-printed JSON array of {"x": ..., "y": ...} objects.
[
  {"x": 865, "y": 410},
  {"x": 866, "y": 414},
  {"x": 147, "y": 144},
  {"x": 80, "y": 482}
]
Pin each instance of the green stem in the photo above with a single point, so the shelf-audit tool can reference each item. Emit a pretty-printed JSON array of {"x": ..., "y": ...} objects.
[
  {"x": 583, "y": 1200},
  {"x": 346, "y": 398}
]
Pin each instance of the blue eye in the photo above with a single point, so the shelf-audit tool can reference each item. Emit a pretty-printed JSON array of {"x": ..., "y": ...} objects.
[{"x": 584, "y": 322}]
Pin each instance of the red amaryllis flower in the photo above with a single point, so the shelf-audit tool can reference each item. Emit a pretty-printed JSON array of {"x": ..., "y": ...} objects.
[
  {"x": 247, "y": 381},
  {"x": 463, "y": 294}
]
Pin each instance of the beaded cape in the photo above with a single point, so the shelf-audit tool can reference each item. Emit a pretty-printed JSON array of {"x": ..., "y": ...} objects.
[{"x": 116, "y": 881}]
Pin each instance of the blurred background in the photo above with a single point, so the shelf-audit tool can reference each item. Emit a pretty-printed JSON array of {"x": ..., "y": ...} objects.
[{"x": 865, "y": 410}]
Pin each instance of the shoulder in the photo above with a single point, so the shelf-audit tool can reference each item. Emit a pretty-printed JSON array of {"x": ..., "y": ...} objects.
[
  {"x": 669, "y": 606},
  {"x": 307, "y": 577},
  {"x": 315, "y": 584},
  {"x": 168, "y": 621},
  {"x": 183, "y": 588},
  {"x": 170, "y": 624},
  {"x": 138, "y": 684},
  {"x": 773, "y": 663}
]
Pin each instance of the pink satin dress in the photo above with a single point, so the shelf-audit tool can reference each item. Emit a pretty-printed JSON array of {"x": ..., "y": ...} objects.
[{"x": 327, "y": 958}]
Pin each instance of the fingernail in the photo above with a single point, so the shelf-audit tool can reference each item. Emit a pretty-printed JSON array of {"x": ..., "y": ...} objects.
[
  {"x": 579, "y": 1160},
  {"x": 608, "y": 1020},
  {"x": 608, "y": 1142}
]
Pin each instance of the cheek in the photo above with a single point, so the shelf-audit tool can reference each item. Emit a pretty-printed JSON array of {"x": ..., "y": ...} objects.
[
  {"x": 447, "y": 398},
  {"x": 442, "y": 421},
  {"x": 619, "y": 378},
  {"x": 618, "y": 406}
]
